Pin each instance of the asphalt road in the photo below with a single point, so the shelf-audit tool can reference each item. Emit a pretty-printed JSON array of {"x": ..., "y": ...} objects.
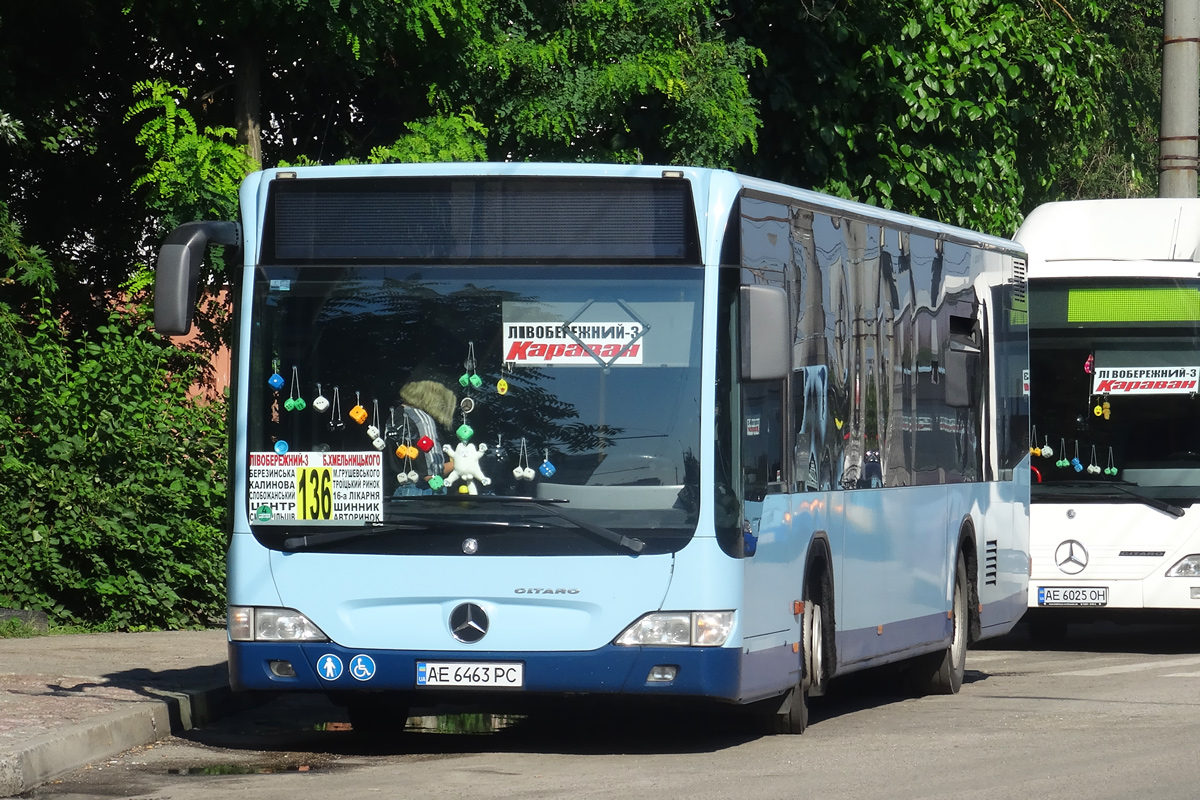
[{"x": 1112, "y": 713}]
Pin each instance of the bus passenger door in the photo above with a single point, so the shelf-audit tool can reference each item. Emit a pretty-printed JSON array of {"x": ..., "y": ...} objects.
[{"x": 770, "y": 628}]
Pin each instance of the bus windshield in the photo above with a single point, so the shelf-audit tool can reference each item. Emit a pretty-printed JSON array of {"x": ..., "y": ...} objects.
[
  {"x": 418, "y": 394},
  {"x": 1114, "y": 367}
]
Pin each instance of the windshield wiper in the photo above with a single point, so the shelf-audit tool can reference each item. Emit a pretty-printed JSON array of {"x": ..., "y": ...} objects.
[
  {"x": 630, "y": 543},
  {"x": 548, "y": 504},
  {"x": 1153, "y": 502},
  {"x": 1128, "y": 487},
  {"x": 308, "y": 540}
]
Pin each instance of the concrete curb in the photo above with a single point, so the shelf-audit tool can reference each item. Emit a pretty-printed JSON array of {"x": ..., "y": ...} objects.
[{"x": 50, "y": 755}]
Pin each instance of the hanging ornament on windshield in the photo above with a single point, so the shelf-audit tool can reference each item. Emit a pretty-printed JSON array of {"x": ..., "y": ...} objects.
[
  {"x": 470, "y": 377},
  {"x": 465, "y": 431},
  {"x": 547, "y": 468},
  {"x": 1098, "y": 409},
  {"x": 502, "y": 385},
  {"x": 1062, "y": 454},
  {"x": 1047, "y": 450},
  {"x": 320, "y": 404},
  {"x": 1087, "y": 365},
  {"x": 335, "y": 416},
  {"x": 1076, "y": 464},
  {"x": 1035, "y": 450},
  {"x": 1093, "y": 468},
  {"x": 466, "y": 467},
  {"x": 276, "y": 380},
  {"x": 358, "y": 413},
  {"x": 1111, "y": 469},
  {"x": 373, "y": 429},
  {"x": 406, "y": 452},
  {"x": 522, "y": 471},
  {"x": 1107, "y": 409},
  {"x": 294, "y": 402}
]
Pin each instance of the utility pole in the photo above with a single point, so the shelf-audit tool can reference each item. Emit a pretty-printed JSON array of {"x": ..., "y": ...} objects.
[{"x": 1177, "y": 155}]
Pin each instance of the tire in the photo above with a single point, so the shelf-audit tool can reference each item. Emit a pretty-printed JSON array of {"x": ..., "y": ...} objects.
[
  {"x": 942, "y": 673},
  {"x": 792, "y": 717},
  {"x": 372, "y": 716},
  {"x": 815, "y": 669}
]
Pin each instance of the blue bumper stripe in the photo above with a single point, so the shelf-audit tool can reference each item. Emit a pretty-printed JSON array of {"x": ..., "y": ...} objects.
[{"x": 703, "y": 671}]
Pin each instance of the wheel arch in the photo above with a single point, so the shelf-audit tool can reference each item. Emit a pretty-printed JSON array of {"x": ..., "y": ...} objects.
[
  {"x": 819, "y": 586},
  {"x": 968, "y": 547}
]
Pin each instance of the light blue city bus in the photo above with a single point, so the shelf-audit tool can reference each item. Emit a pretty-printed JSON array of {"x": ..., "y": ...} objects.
[{"x": 504, "y": 434}]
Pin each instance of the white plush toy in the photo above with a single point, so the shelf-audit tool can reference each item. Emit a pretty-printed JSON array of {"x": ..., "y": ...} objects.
[{"x": 466, "y": 465}]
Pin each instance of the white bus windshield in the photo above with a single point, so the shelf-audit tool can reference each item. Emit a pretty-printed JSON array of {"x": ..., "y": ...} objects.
[{"x": 1114, "y": 370}]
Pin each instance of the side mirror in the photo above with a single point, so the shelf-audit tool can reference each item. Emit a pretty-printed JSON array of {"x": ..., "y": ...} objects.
[
  {"x": 178, "y": 271},
  {"x": 765, "y": 351}
]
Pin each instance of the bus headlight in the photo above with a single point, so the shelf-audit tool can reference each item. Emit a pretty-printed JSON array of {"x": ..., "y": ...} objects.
[
  {"x": 679, "y": 628},
  {"x": 253, "y": 624},
  {"x": 1186, "y": 567}
]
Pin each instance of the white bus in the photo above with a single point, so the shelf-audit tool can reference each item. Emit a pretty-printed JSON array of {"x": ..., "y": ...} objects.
[{"x": 1115, "y": 360}]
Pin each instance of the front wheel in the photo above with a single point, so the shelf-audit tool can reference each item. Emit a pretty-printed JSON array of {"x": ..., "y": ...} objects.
[
  {"x": 792, "y": 716},
  {"x": 814, "y": 649},
  {"x": 942, "y": 673}
]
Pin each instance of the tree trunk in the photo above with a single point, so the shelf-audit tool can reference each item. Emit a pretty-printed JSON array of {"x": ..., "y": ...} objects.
[{"x": 246, "y": 97}]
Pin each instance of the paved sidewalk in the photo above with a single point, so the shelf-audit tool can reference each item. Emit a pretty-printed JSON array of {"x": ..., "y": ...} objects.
[{"x": 68, "y": 700}]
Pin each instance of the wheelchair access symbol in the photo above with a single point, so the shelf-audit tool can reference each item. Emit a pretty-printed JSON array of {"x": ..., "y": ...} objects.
[{"x": 362, "y": 668}]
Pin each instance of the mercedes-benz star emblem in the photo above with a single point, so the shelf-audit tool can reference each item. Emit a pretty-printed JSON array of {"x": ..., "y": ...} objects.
[
  {"x": 1071, "y": 557},
  {"x": 468, "y": 623}
]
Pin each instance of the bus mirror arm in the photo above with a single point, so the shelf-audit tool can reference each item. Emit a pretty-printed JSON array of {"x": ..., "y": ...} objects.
[{"x": 178, "y": 272}]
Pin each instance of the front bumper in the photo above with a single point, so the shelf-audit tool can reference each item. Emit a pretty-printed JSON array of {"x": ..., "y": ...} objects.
[{"x": 713, "y": 672}]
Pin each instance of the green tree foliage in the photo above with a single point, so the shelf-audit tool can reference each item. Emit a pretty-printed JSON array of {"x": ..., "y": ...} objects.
[
  {"x": 611, "y": 80},
  {"x": 65, "y": 75},
  {"x": 972, "y": 112},
  {"x": 1121, "y": 158},
  {"x": 189, "y": 175},
  {"x": 111, "y": 473},
  {"x": 455, "y": 137},
  {"x": 598, "y": 80}
]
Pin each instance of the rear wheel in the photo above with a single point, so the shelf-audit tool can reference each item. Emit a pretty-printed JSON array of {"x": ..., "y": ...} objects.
[{"x": 942, "y": 673}]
